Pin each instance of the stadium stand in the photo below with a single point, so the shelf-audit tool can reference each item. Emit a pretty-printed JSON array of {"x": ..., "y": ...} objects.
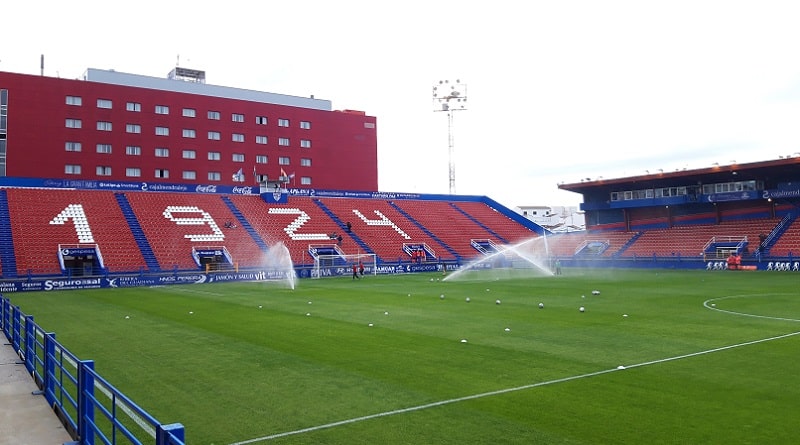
[
  {"x": 142, "y": 232},
  {"x": 500, "y": 225},
  {"x": 689, "y": 241},
  {"x": 788, "y": 244},
  {"x": 68, "y": 217},
  {"x": 448, "y": 225},
  {"x": 298, "y": 224},
  {"x": 602, "y": 243},
  {"x": 165, "y": 217},
  {"x": 382, "y": 227}
]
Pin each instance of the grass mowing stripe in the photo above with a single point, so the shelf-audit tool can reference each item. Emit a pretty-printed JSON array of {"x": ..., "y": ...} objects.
[{"x": 504, "y": 391}]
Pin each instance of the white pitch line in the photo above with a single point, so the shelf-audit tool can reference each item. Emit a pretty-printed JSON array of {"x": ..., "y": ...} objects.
[
  {"x": 502, "y": 391},
  {"x": 708, "y": 305}
]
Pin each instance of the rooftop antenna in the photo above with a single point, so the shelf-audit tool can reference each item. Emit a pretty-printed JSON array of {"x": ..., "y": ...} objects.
[{"x": 41, "y": 65}]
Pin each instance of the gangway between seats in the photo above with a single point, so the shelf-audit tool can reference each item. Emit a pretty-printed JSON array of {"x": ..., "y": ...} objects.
[
  {"x": 485, "y": 246},
  {"x": 214, "y": 258},
  {"x": 80, "y": 259},
  {"x": 428, "y": 252},
  {"x": 719, "y": 247},
  {"x": 592, "y": 247}
]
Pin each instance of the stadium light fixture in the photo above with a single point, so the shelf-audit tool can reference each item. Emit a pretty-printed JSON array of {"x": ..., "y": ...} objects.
[{"x": 450, "y": 97}]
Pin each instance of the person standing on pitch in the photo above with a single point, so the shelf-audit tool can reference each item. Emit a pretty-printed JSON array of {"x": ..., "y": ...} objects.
[{"x": 355, "y": 271}]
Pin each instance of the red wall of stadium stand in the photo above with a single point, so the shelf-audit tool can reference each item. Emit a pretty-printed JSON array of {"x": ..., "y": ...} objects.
[{"x": 321, "y": 143}]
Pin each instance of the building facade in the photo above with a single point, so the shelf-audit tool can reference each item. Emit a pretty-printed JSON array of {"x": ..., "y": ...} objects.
[{"x": 124, "y": 127}]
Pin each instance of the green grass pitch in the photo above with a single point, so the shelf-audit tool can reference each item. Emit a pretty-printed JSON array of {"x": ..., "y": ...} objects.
[{"x": 708, "y": 357}]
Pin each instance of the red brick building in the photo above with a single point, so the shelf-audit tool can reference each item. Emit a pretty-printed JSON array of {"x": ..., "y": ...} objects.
[{"x": 125, "y": 127}]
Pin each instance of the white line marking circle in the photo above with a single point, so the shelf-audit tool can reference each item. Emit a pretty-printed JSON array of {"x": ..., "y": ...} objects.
[{"x": 709, "y": 304}]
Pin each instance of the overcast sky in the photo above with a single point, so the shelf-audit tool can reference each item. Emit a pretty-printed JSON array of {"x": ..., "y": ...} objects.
[{"x": 556, "y": 90}]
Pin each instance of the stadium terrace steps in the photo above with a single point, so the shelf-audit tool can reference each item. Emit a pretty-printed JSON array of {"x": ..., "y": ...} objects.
[
  {"x": 788, "y": 242},
  {"x": 8, "y": 261},
  {"x": 245, "y": 223},
  {"x": 138, "y": 234}
]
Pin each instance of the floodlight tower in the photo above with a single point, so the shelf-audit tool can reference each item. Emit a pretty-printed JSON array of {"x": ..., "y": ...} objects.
[{"x": 450, "y": 97}]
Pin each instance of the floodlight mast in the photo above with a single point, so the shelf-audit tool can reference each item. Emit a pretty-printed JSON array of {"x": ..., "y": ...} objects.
[{"x": 450, "y": 97}]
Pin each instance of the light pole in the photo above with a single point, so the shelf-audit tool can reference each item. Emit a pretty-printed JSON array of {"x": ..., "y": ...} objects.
[{"x": 450, "y": 97}]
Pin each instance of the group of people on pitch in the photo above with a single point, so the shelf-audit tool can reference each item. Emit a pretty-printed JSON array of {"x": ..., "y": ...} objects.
[{"x": 734, "y": 261}]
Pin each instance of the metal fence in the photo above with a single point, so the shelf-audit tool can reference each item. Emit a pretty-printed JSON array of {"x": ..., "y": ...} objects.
[{"x": 91, "y": 409}]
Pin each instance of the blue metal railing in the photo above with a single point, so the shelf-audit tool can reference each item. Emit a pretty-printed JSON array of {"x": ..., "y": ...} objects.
[{"x": 93, "y": 410}]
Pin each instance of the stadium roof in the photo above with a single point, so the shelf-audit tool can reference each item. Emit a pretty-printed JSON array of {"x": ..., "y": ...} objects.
[{"x": 774, "y": 171}]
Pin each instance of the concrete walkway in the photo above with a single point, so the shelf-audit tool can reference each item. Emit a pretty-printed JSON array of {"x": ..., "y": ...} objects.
[{"x": 25, "y": 419}]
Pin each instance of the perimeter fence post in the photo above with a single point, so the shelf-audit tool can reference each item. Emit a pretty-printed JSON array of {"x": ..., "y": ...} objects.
[{"x": 86, "y": 402}]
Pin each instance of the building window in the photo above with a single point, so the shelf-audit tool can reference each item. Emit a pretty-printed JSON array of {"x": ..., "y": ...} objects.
[
  {"x": 305, "y": 180},
  {"x": 237, "y": 137},
  {"x": 104, "y": 126},
  {"x": 162, "y": 173},
  {"x": 133, "y": 172},
  {"x": 189, "y": 154},
  {"x": 189, "y": 112},
  {"x": 305, "y": 143},
  {"x": 74, "y": 100},
  {"x": 214, "y": 176},
  {"x": 104, "y": 148},
  {"x": 284, "y": 142},
  {"x": 236, "y": 117},
  {"x": 305, "y": 162},
  {"x": 189, "y": 174},
  {"x": 213, "y": 115},
  {"x": 72, "y": 146},
  {"x": 162, "y": 109},
  {"x": 73, "y": 123},
  {"x": 238, "y": 157},
  {"x": 283, "y": 160},
  {"x": 162, "y": 131},
  {"x": 283, "y": 122},
  {"x": 213, "y": 135},
  {"x": 103, "y": 170},
  {"x": 261, "y": 159},
  {"x": 305, "y": 125},
  {"x": 188, "y": 133},
  {"x": 162, "y": 152},
  {"x": 72, "y": 169},
  {"x": 261, "y": 140},
  {"x": 133, "y": 128},
  {"x": 214, "y": 156},
  {"x": 261, "y": 120},
  {"x": 104, "y": 103},
  {"x": 133, "y": 106},
  {"x": 133, "y": 150}
]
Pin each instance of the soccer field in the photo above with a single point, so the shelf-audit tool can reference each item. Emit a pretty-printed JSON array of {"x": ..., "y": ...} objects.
[{"x": 657, "y": 357}]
